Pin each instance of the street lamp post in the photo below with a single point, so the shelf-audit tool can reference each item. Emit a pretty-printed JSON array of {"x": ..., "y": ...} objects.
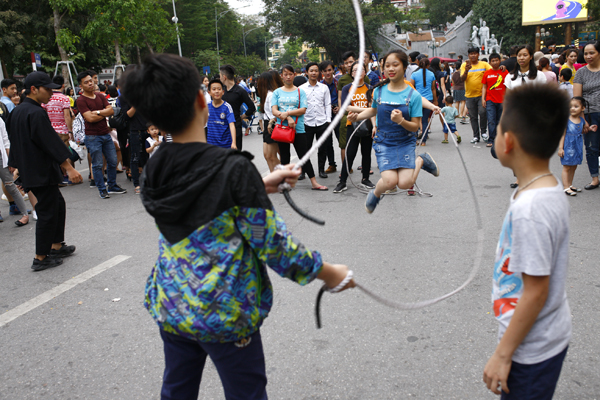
[
  {"x": 175, "y": 20},
  {"x": 218, "y": 16},
  {"x": 244, "y": 34},
  {"x": 433, "y": 46}
]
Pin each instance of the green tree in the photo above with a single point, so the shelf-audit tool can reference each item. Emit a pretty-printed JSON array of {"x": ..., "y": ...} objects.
[
  {"x": 326, "y": 23},
  {"x": 504, "y": 21},
  {"x": 442, "y": 11},
  {"x": 12, "y": 38}
]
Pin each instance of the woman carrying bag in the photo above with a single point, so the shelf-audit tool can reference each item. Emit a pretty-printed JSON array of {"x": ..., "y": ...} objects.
[{"x": 288, "y": 105}]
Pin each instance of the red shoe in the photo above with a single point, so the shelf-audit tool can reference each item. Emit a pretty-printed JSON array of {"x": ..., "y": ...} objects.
[{"x": 410, "y": 191}]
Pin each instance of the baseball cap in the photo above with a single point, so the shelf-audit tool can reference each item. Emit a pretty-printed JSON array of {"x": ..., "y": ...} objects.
[{"x": 37, "y": 79}]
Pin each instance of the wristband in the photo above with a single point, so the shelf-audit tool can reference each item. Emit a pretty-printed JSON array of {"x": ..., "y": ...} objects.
[{"x": 342, "y": 284}]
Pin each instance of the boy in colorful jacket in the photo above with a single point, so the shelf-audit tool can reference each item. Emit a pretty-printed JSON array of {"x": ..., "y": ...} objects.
[{"x": 209, "y": 290}]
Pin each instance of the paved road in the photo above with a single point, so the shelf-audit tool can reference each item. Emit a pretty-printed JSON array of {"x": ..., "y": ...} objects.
[{"x": 83, "y": 345}]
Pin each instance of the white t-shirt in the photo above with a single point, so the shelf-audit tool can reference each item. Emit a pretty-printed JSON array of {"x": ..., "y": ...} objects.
[
  {"x": 535, "y": 240},
  {"x": 523, "y": 78},
  {"x": 409, "y": 70},
  {"x": 268, "y": 110},
  {"x": 150, "y": 142}
]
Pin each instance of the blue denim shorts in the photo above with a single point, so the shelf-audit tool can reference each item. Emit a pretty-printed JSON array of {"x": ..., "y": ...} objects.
[
  {"x": 394, "y": 150},
  {"x": 452, "y": 128}
]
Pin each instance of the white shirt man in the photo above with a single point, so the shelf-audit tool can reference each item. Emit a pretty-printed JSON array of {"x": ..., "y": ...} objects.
[{"x": 318, "y": 111}]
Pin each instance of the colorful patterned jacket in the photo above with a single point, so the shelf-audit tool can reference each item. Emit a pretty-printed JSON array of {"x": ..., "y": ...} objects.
[{"x": 218, "y": 232}]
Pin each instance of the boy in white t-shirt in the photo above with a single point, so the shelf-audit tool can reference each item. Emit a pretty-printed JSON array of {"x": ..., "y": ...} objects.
[{"x": 529, "y": 296}]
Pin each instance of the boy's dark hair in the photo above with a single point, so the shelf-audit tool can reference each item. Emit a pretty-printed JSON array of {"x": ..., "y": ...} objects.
[
  {"x": 102, "y": 87},
  {"x": 149, "y": 124},
  {"x": 566, "y": 73},
  {"x": 473, "y": 50},
  {"x": 311, "y": 64},
  {"x": 513, "y": 50},
  {"x": 149, "y": 89},
  {"x": 449, "y": 99},
  {"x": 323, "y": 66},
  {"x": 494, "y": 55},
  {"x": 537, "y": 115},
  {"x": 484, "y": 59},
  {"x": 112, "y": 91},
  {"x": 59, "y": 80},
  {"x": 228, "y": 71},
  {"x": 92, "y": 72},
  {"x": 413, "y": 56},
  {"x": 82, "y": 75},
  {"x": 297, "y": 71},
  {"x": 215, "y": 80},
  {"x": 6, "y": 83},
  {"x": 348, "y": 54}
]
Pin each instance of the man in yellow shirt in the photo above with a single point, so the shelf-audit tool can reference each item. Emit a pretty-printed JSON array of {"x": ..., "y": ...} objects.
[{"x": 471, "y": 73}]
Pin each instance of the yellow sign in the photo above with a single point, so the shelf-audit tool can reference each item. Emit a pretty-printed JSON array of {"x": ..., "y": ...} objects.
[{"x": 540, "y": 12}]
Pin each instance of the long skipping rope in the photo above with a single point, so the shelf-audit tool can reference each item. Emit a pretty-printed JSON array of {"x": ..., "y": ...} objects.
[{"x": 285, "y": 188}]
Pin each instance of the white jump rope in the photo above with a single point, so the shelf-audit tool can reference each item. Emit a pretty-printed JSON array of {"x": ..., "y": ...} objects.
[{"x": 285, "y": 188}]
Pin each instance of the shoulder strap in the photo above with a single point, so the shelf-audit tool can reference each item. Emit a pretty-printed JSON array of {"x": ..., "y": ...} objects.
[
  {"x": 379, "y": 94},
  {"x": 409, "y": 96}
]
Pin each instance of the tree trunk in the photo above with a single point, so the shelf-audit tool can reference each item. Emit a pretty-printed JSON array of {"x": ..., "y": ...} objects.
[
  {"x": 138, "y": 54},
  {"x": 119, "y": 71},
  {"x": 63, "y": 53},
  {"x": 147, "y": 43}
]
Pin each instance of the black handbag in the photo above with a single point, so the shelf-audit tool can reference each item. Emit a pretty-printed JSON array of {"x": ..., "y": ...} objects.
[
  {"x": 362, "y": 129},
  {"x": 118, "y": 120}
]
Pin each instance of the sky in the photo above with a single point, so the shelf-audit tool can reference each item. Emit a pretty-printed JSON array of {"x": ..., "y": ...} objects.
[{"x": 255, "y": 6}]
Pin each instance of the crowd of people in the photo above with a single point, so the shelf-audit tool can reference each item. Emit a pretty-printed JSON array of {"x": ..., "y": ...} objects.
[{"x": 191, "y": 134}]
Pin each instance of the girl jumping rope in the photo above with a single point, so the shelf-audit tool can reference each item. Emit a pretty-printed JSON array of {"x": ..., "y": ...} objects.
[
  {"x": 570, "y": 148},
  {"x": 398, "y": 108}
]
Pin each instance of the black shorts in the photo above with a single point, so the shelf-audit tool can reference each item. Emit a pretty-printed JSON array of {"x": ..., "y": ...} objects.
[{"x": 266, "y": 135}]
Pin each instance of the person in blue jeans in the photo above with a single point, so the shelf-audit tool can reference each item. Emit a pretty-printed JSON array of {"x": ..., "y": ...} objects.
[
  {"x": 587, "y": 85},
  {"x": 492, "y": 95},
  {"x": 423, "y": 80},
  {"x": 450, "y": 114},
  {"x": 95, "y": 109}
]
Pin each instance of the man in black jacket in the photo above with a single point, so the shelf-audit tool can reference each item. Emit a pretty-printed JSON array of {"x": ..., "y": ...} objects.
[
  {"x": 236, "y": 96},
  {"x": 39, "y": 154}
]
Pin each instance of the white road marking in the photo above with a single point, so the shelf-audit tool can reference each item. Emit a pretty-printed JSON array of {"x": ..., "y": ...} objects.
[
  {"x": 267, "y": 172},
  {"x": 58, "y": 290}
]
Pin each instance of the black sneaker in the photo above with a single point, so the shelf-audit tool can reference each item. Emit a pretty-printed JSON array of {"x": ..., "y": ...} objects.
[
  {"x": 104, "y": 194},
  {"x": 341, "y": 186},
  {"x": 64, "y": 251},
  {"x": 116, "y": 190},
  {"x": 92, "y": 183},
  {"x": 368, "y": 184},
  {"x": 48, "y": 262}
]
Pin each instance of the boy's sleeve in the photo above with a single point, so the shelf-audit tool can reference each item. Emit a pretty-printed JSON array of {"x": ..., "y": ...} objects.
[
  {"x": 265, "y": 231},
  {"x": 532, "y": 250},
  {"x": 345, "y": 91},
  {"x": 230, "y": 114}
]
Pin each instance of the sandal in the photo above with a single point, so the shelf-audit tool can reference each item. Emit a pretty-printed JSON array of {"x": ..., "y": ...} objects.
[
  {"x": 489, "y": 145},
  {"x": 138, "y": 190},
  {"x": 445, "y": 141},
  {"x": 573, "y": 188},
  {"x": 569, "y": 192},
  {"x": 321, "y": 188}
]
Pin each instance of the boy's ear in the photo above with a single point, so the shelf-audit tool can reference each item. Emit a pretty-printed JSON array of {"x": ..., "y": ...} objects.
[
  {"x": 200, "y": 99},
  {"x": 510, "y": 141}
]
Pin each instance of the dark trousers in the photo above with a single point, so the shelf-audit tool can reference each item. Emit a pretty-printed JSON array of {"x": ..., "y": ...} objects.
[
  {"x": 241, "y": 369},
  {"x": 494, "y": 113},
  {"x": 239, "y": 134},
  {"x": 317, "y": 131},
  {"x": 592, "y": 144},
  {"x": 477, "y": 116},
  {"x": 366, "y": 143},
  {"x": 534, "y": 381},
  {"x": 135, "y": 149},
  {"x": 52, "y": 212},
  {"x": 122, "y": 135},
  {"x": 425, "y": 122},
  {"x": 301, "y": 146}
]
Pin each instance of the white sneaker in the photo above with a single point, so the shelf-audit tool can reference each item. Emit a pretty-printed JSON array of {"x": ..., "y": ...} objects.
[
  {"x": 485, "y": 136},
  {"x": 4, "y": 197},
  {"x": 34, "y": 215},
  {"x": 26, "y": 197},
  {"x": 475, "y": 140}
]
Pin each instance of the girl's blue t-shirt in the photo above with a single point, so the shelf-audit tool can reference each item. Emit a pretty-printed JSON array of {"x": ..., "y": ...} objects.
[
  {"x": 415, "y": 106},
  {"x": 288, "y": 101},
  {"x": 417, "y": 76}
]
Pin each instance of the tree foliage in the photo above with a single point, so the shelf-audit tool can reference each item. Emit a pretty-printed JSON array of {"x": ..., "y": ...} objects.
[
  {"x": 328, "y": 23},
  {"x": 504, "y": 21},
  {"x": 442, "y": 11}
]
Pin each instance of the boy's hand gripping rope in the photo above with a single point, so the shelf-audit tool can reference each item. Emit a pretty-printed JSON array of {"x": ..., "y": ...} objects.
[{"x": 425, "y": 303}]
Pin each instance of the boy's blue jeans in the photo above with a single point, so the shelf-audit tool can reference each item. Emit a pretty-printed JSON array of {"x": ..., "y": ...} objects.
[
  {"x": 534, "y": 381},
  {"x": 99, "y": 145},
  {"x": 494, "y": 112},
  {"x": 241, "y": 369}
]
